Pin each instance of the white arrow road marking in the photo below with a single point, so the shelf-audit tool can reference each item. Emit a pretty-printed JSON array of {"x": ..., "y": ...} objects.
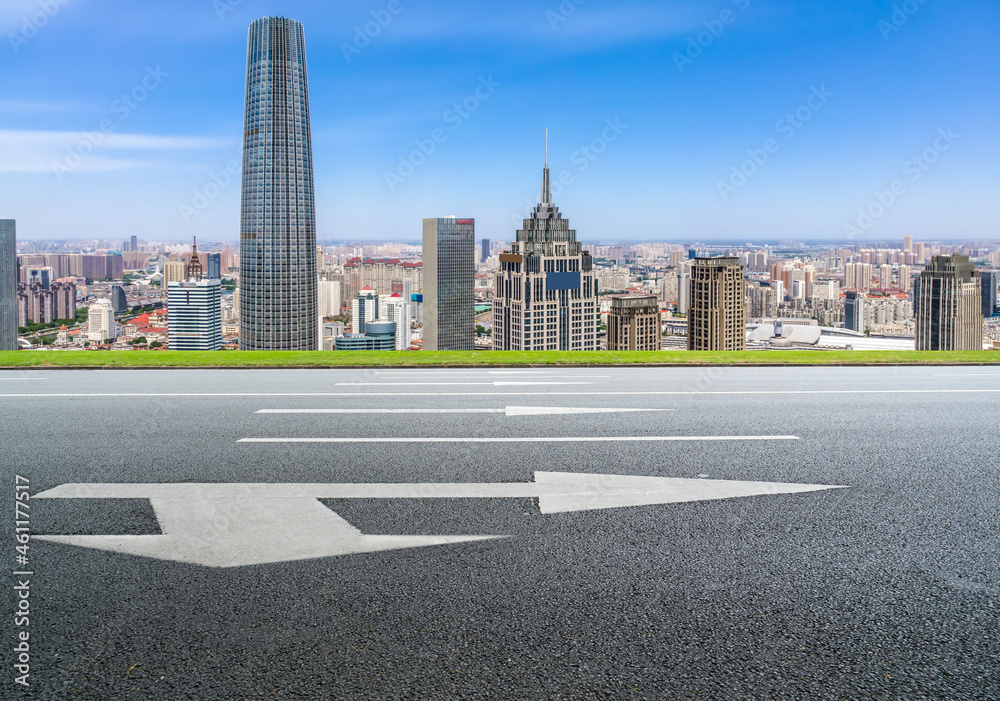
[
  {"x": 526, "y": 439},
  {"x": 234, "y": 525},
  {"x": 509, "y": 411}
]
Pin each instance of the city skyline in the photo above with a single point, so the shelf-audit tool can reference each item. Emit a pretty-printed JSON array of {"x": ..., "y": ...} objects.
[{"x": 858, "y": 75}]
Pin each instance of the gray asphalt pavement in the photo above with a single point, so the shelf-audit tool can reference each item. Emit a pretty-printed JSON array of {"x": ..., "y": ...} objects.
[{"x": 887, "y": 589}]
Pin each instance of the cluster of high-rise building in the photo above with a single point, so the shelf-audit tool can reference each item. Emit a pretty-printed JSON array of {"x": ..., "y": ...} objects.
[
  {"x": 43, "y": 303},
  {"x": 96, "y": 266},
  {"x": 545, "y": 289}
]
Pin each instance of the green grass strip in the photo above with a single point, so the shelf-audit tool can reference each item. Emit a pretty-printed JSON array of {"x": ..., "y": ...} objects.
[{"x": 321, "y": 359}]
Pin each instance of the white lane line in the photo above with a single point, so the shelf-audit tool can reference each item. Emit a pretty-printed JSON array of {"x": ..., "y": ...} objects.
[
  {"x": 509, "y": 411},
  {"x": 527, "y": 439},
  {"x": 484, "y": 379},
  {"x": 369, "y": 395},
  {"x": 969, "y": 374},
  {"x": 380, "y": 411},
  {"x": 21, "y": 379},
  {"x": 455, "y": 384},
  {"x": 434, "y": 373}
]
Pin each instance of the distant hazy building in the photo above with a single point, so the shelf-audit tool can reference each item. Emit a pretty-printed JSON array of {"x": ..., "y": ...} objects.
[
  {"x": 854, "y": 311},
  {"x": 278, "y": 213},
  {"x": 949, "y": 306},
  {"x": 396, "y": 308},
  {"x": 683, "y": 293},
  {"x": 449, "y": 248},
  {"x": 119, "y": 302},
  {"x": 34, "y": 275},
  {"x": 8, "y": 285},
  {"x": 101, "y": 322},
  {"x": 948, "y": 303},
  {"x": 634, "y": 323},
  {"x": 213, "y": 266},
  {"x": 717, "y": 320},
  {"x": 195, "y": 315},
  {"x": 484, "y": 252},
  {"x": 885, "y": 277},
  {"x": 329, "y": 298},
  {"x": 545, "y": 293},
  {"x": 174, "y": 271},
  {"x": 38, "y": 305},
  {"x": 990, "y": 281}
]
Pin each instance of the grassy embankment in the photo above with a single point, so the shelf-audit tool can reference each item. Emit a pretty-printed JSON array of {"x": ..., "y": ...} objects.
[{"x": 237, "y": 359}]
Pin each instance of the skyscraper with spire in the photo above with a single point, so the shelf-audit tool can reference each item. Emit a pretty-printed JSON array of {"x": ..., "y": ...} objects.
[
  {"x": 194, "y": 306},
  {"x": 546, "y": 295},
  {"x": 278, "y": 296}
]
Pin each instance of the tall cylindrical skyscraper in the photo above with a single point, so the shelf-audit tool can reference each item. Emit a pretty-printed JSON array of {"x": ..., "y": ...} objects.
[{"x": 278, "y": 294}]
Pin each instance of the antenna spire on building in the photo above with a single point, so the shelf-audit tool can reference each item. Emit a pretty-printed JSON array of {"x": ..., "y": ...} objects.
[
  {"x": 194, "y": 265},
  {"x": 546, "y": 181}
]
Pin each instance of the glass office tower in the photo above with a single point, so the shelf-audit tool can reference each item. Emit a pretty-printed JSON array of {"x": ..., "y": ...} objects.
[
  {"x": 449, "y": 284},
  {"x": 278, "y": 295},
  {"x": 8, "y": 285}
]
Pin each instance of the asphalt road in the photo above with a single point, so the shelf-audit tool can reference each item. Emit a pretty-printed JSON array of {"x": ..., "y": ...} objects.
[{"x": 887, "y": 589}]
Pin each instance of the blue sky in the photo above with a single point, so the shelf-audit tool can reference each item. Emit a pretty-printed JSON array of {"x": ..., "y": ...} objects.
[{"x": 651, "y": 105}]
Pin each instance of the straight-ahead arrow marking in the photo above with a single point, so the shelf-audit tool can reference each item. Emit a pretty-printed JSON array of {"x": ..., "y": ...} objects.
[{"x": 233, "y": 525}]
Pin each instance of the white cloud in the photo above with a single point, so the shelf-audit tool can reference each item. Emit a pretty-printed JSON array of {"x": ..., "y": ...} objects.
[
  {"x": 41, "y": 151},
  {"x": 33, "y": 15},
  {"x": 572, "y": 24},
  {"x": 33, "y": 106}
]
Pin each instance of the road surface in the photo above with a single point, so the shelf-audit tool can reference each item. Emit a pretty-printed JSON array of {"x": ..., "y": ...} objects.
[{"x": 820, "y": 533}]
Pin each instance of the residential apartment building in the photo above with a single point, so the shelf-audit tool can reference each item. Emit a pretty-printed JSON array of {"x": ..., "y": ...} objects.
[
  {"x": 717, "y": 320},
  {"x": 634, "y": 323}
]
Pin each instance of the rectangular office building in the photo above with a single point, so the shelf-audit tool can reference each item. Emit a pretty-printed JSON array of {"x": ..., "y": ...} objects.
[
  {"x": 990, "y": 281},
  {"x": 948, "y": 303},
  {"x": 449, "y": 284},
  {"x": 195, "y": 315},
  {"x": 8, "y": 285}
]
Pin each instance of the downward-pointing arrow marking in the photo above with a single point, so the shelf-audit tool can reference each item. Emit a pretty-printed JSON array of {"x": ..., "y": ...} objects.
[{"x": 232, "y": 525}]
